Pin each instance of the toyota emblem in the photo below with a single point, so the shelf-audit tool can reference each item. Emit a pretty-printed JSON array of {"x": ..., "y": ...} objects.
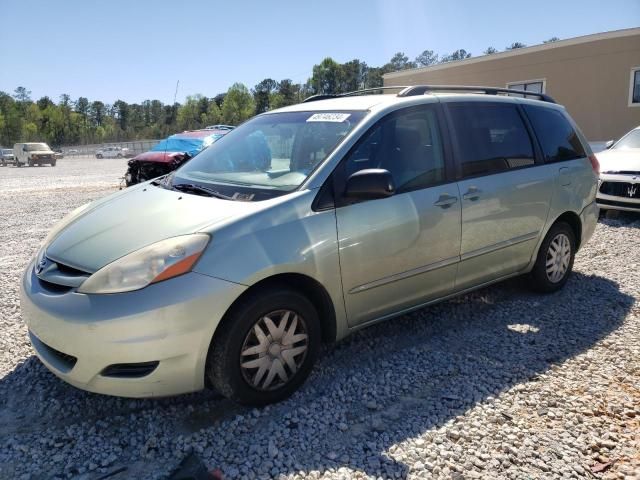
[{"x": 40, "y": 266}]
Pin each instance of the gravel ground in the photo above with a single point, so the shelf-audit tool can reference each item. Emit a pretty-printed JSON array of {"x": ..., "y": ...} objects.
[{"x": 501, "y": 383}]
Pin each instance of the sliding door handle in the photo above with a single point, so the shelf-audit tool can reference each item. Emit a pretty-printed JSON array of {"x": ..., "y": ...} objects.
[
  {"x": 445, "y": 201},
  {"x": 472, "y": 194}
]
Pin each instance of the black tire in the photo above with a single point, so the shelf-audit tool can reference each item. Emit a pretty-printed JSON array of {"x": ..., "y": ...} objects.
[
  {"x": 98, "y": 156},
  {"x": 30, "y": 163},
  {"x": 539, "y": 277},
  {"x": 119, "y": 155},
  {"x": 223, "y": 362},
  {"x": 53, "y": 164}
]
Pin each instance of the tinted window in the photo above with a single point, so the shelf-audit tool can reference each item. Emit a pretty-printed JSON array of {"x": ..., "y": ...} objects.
[
  {"x": 408, "y": 144},
  {"x": 490, "y": 138},
  {"x": 558, "y": 138}
]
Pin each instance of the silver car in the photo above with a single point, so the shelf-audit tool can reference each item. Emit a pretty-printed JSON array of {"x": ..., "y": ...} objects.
[
  {"x": 619, "y": 187},
  {"x": 301, "y": 226}
]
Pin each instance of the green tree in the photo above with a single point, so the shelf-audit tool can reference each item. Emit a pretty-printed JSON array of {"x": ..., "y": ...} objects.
[
  {"x": 551, "y": 40},
  {"x": 457, "y": 55},
  {"x": 426, "y": 58},
  {"x": 238, "y": 105},
  {"x": 490, "y": 51},
  {"x": 401, "y": 62},
  {"x": 262, "y": 94},
  {"x": 516, "y": 45},
  {"x": 326, "y": 77}
]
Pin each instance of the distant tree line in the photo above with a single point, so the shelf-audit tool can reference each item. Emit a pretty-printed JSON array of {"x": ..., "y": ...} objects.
[{"x": 81, "y": 121}]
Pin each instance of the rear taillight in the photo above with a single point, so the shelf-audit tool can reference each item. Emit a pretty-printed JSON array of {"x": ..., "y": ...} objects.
[{"x": 595, "y": 164}]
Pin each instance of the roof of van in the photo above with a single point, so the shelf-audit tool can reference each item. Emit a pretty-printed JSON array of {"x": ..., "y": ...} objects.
[{"x": 368, "y": 102}]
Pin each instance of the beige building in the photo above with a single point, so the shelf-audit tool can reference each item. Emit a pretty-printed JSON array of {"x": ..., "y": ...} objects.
[{"x": 596, "y": 77}]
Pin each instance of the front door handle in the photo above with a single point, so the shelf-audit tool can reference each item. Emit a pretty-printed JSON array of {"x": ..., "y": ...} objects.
[
  {"x": 445, "y": 201},
  {"x": 472, "y": 194}
]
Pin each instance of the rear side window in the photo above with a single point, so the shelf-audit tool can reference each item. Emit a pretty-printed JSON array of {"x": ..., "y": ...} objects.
[
  {"x": 491, "y": 138},
  {"x": 559, "y": 140}
]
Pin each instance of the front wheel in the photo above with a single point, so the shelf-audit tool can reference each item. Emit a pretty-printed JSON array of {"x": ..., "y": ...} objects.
[
  {"x": 53, "y": 164},
  {"x": 265, "y": 347},
  {"x": 555, "y": 259}
]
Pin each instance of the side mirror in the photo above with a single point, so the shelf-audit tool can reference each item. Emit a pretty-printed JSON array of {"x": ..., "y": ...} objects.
[
  {"x": 609, "y": 144},
  {"x": 24, "y": 149},
  {"x": 370, "y": 183}
]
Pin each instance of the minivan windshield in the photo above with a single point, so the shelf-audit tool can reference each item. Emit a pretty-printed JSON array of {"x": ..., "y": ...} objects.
[
  {"x": 630, "y": 140},
  {"x": 275, "y": 151},
  {"x": 34, "y": 147}
]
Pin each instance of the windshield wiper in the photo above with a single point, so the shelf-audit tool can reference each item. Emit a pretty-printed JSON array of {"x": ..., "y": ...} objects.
[{"x": 192, "y": 187}]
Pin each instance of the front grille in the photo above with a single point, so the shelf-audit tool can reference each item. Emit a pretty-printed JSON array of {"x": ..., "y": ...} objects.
[
  {"x": 58, "y": 277},
  {"x": 129, "y": 370},
  {"x": 621, "y": 189}
]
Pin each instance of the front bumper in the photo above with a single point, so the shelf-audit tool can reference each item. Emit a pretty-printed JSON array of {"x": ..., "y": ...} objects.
[
  {"x": 619, "y": 192},
  {"x": 171, "y": 322}
]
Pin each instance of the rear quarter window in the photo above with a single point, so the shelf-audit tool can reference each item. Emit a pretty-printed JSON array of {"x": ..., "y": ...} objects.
[{"x": 559, "y": 140}]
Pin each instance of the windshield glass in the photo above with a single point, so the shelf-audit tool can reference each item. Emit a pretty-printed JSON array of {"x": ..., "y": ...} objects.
[
  {"x": 32, "y": 147},
  {"x": 7, "y": 152},
  {"x": 630, "y": 140},
  {"x": 276, "y": 151}
]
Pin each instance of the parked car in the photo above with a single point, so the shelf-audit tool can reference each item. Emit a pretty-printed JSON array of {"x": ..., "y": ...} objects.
[
  {"x": 169, "y": 154},
  {"x": 112, "y": 152},
  {"x": 32, "y": 154},
  {"x": 303, "y": 225},
  {"x": 619, "y": 187},
  {"x": 6, "y": 157}
]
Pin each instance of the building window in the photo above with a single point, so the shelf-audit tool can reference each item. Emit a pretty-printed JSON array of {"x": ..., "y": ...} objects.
[
  {"x": 534, "y": 86},
  {"x": 634, "y": 88}
]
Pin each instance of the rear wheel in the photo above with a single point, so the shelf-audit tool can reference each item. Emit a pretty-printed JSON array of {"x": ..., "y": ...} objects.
[
  {"x": 555, "y": 259},
  {"x": 265, "y": 348},
  {"x": 98, "y": 156},
  {"x": 53, "y": 164},
  {"x": 30, "y": 163}
]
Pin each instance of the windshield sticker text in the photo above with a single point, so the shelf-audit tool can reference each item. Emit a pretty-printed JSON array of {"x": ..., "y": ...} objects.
[{"x": 328, "y": 117}]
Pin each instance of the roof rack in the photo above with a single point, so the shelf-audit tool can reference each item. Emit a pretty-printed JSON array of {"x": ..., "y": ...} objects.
[
  {"x": 414, "y": 90},
  {"x": 325, "y": 96},
  {"x": 422, "y": 89}
]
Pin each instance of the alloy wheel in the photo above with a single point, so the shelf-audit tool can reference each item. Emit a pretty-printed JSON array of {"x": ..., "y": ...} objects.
[{"x": 274, "y": 350}]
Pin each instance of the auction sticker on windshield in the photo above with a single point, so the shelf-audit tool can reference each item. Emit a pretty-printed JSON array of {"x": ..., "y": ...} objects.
[{"x": 328, "y": 117}]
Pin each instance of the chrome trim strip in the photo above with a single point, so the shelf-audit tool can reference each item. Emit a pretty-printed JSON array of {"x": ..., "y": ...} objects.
[
  {"x": 409, "y": 273},
  {"x": 498, "y": 246}
]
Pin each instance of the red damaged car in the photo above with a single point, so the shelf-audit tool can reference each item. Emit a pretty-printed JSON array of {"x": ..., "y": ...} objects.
[{"x": 170, "y": 153}]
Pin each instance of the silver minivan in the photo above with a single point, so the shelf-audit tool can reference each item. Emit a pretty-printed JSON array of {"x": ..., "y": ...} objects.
[{"x": 301, "y": 226}]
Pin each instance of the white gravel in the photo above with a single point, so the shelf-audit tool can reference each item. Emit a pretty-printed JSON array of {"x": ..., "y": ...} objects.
[{"x": 501, "y": 383}]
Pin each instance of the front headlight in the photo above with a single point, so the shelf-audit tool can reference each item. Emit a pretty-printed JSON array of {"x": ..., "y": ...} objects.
[{"x": 154, "y": 263}]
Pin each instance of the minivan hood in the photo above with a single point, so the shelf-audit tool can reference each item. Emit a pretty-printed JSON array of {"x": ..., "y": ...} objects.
[
  {"x": 619, "y": 160},
  {"x": 40, "y": 152},
  {"x": 129, "y": 220}
]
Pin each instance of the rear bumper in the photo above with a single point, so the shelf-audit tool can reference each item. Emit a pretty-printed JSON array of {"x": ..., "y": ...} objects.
[
  {"x": 589, "y": 220},
  {"x": 78, "y": 336}
]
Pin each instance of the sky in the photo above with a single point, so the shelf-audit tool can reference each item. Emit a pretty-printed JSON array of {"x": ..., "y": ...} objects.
[{"x": 138, "y": 49}]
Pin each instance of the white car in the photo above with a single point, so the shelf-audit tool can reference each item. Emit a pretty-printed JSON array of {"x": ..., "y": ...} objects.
[
  {"x": 619, "y": 186},
  {"x": 112, "y": 152}
]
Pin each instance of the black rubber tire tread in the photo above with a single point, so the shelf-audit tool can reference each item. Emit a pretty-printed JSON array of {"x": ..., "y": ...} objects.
[
  {"x": 538, "y": 276},
  {"x": 223, "y": 366}
]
